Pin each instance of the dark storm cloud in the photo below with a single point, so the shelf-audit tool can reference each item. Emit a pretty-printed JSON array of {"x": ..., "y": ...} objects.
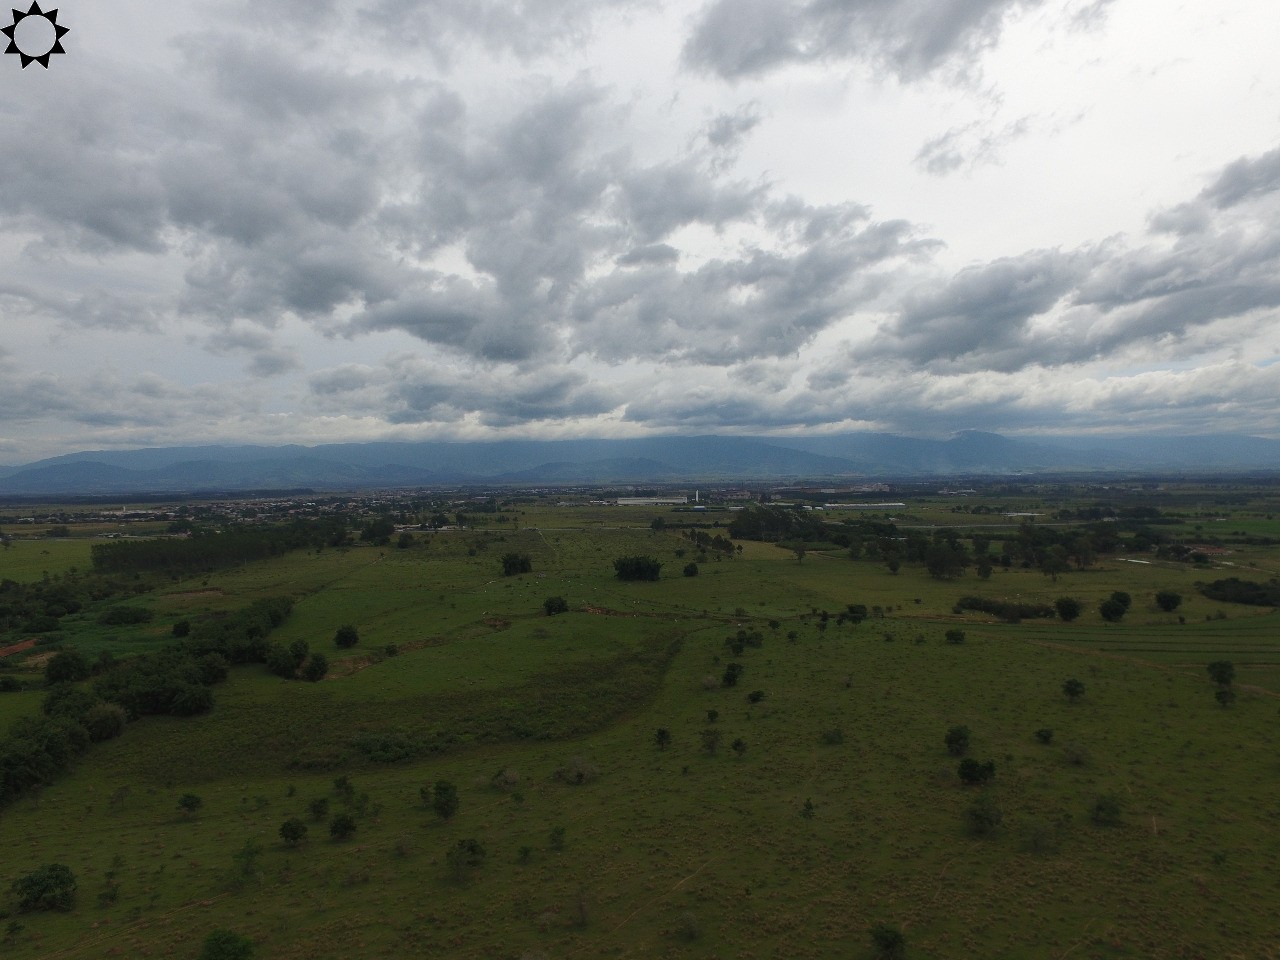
[
  {"x": 1245, "y": 179},
  {"x": 728, "y": 130},
  {"x": 657, "y": 253},
  {"x": 982, "y": 314},
  {"x": 408, "y": 391},
  {"x": 910, "y": 38},
  {"x": 1054, "y": 308}
]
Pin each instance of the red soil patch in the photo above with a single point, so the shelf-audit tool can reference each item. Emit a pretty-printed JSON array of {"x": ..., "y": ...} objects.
[{"x": 16, "y": 648}]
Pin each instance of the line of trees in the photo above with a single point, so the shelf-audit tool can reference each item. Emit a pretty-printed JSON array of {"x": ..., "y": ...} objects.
[
  {"x": 175, "y": 681},
  {"x": 211, "y": 550}
]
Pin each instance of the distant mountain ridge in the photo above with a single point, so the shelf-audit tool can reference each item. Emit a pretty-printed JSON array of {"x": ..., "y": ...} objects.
[{"x": 384, "y": 464}]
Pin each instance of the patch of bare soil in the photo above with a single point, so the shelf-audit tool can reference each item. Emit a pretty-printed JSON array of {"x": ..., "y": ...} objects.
[{"x": 16, "y": 648}]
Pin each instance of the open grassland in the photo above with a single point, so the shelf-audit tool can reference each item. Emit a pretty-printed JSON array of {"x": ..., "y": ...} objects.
[
  {"x": 840, "y": 810},
  {"x": 29, "y": 560}
]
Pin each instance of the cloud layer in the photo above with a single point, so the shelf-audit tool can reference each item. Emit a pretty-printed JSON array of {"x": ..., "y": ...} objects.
[{"x": 411, "y": 218}]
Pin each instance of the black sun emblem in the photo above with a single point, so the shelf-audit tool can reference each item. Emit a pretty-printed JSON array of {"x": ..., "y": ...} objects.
[{"x": 40, "y": 36}]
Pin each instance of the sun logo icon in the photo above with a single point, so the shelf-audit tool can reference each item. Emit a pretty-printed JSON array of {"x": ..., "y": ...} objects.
[{"x": 45, "y": 36}]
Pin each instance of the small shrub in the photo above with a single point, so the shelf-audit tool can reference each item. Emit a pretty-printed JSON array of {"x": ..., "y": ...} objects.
[
  {"x": 346, "y": 637},
  {"x": 444, "y": 799},
  {"x": 464, "y": 857},
  {"x": 556, "y": 838},
  {"x": 555, "y": 605},
  {"x": 888, "y": 942},
  {"x": 973, "y": 773},
  {"x": 833, "y": 737},
  {"x": 739, "y": 747},
  {"x": 1068, "y": 608},
  {"x": 690, "y": 570},
  {"x": 293, "y": 831},
  {"x": 226, "y": 945},
  {"x": 755, "y": 696},
  {"x": 342, "y": 826},
  {"x": 189, "y": 803},
  {"x": 955, "y": 636},
  {"x": 1222, "y": 672},
  {"x": 984, "y": 815},
  {"x": 1106, "y": 809},
  {"x": 514, "y": 564},
  {"x": 51, "y": 887},
  {"x": 577, "y": 771},
  {"x": 957, "y": 741},
  {"x": 1044, "y": 735},
  {"x": 1073, "y": 689},
  {"x": 1112, "y": 610}
]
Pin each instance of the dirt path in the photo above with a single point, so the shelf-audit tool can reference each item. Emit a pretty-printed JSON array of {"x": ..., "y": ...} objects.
[{"x": 16, "y": 648}]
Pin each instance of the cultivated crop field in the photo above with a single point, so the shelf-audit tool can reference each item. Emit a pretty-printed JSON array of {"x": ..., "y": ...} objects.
[{"x": 618, "y": 797}]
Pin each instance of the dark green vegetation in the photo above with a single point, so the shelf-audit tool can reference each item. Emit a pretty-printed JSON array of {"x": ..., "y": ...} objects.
[{"x": 762, "y": 760}]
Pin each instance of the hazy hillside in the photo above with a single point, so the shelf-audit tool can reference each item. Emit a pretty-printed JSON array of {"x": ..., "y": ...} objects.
[{"x": 671, "y": 459}]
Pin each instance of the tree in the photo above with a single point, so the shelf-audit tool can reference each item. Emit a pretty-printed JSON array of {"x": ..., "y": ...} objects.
[
  {"x": 1106, "y": 809},
  {"x": 945, "y": 561},
  {"x": 1222, "y": 672},
  {"x": 732, "y": 672},
  {"x": 555, "y": 605},
  {"x": 662, "y": 737},
  {"x": 516, "y": 563},
  {"x": 464, "y": 857},
  {"x": 973, "y": 773},
  {"x": 293, "y": 831},
  {"x": 1044, "y": 735},
  {"x": 1055, "y": 562},
  {"x": 984, "y": 815},
  {"x": 636, "y": 568},
  {"x": 67, "y": 666},
  {"x": 799, "y": 552},
  {"x": 405, "y": 540},
  {"x": 1073, "y": 689},
  {"x": 347, "y": 636},
  {"x": 957, "y": 741},
  {"x": 657, "y": 524},
  {"x": 316, "y": 668},
  {"x": 711, "y": 740},
  {"x": 444, "y": 799},
  {"x": 1068, "y": 608},
  {"x": 1225, "y": 697},
  {"x": 1122, "y": 598},
  {"x": 318, "y": 808},
  {"x": 1112, "y": 610},
  {"x": 342, "y": 826},
  {"x": 1168, "y": 601},
  {"x": 281, "y": 662},
  {"x": 51, "y": 887},
  {"x": 739, "y": 747},
  {"x": 189, "y": 803},
  {"x": 888, "y": 942},
  {"x": 955, "y": 636},
  {"x": 755, "y": 696},
  {"x": 226, "y": 945},
  {"x": 690, "y": 569}
]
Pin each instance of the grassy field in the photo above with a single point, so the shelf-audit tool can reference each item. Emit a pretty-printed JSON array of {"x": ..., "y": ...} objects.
[{"x": 841, "y": 809}]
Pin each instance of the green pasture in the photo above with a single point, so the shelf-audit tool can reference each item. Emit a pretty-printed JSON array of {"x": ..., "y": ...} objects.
[
  {"x": 29, "y": 560},
  {"x": 842, "y": 810}
]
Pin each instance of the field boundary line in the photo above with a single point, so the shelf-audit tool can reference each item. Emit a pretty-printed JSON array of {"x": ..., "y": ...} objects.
[{"x": 1138, "y": 661}]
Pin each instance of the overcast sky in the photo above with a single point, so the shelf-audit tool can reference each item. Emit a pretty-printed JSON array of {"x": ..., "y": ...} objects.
[{"x": 315, "y": 220}]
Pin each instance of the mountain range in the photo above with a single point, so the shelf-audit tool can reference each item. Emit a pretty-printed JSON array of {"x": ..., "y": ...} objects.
[{"x": 672, "y": 459}]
